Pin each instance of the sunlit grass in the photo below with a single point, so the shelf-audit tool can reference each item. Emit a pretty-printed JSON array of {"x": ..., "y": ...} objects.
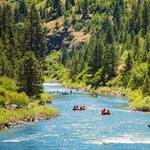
[{"x": 8, "y": 116}]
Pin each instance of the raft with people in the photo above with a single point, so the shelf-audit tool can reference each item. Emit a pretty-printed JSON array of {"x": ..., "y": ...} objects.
[
  {"x": 105, "y": 112},
  {"x": 79, "y": 108}
]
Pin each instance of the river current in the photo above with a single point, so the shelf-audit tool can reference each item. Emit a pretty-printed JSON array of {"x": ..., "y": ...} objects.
[{"x": 82, "y": 130}]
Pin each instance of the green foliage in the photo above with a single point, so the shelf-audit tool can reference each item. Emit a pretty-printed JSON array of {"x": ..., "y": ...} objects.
[
  {"x": 8, "y": 98},
  {"x": 9, "y": 95},
  {"x": 138, "y": 101},
  {"x": 138, "y": 76},
  {"x": 54, "y": 69},
  {"x": 78, "y": 26},
  {"x": 45, "y": 98},
  {"x": 30, "y": 75},
  {"x": 34, "y": 35},
  {"x": 8, "y": 84},
  {"x": 21, "y": 99},
  {"x": 8, "y": 116}
]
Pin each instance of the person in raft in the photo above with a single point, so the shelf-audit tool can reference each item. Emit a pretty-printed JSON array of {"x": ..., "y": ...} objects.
[
  {"x": 75, "y": 107},
  {"x": 108, "y": 112},
  {"x": 104, "y": 110}
]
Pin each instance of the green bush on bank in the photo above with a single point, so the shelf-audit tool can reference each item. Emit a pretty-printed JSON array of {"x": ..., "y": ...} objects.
[
  {"x": 8, "y": 98},
  {"x": 138, "y": 101},
  {"x": 45, "y": 98},
  {"x": 8, "y": 84}
]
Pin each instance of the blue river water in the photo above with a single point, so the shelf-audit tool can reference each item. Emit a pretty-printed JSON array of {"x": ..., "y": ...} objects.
[{"x": 82, "y": 130}]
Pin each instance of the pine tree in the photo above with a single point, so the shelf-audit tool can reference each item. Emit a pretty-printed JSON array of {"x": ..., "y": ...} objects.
[
  {"x": 35, "y": 36},
  {"x": 95, "y": 53},
  {"x": 23, "y": 11},
  {"x": 127, "y": 70},
  {"x": 85, "y": 9},
  {"x": 57, "y": 8},
  {"x": 118, "y": 12},
  {"x": 145, "y": 17},
  {"x": 67, "y": 5},
  {"x": 30, "y": 75},
  {"x": 16, "y": 15},
  {"x": 7, "y": 19},
  {"x": 1, "y": 21}
]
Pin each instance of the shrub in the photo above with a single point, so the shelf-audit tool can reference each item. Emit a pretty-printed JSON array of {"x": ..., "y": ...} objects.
[
  {"x": 45, "y": 98},
  {"x": 8, "y": 84},
  {"x": 21, "y": 99},
  {"x": 138, "y": 101},
  {"x": 78, "y": 26}
]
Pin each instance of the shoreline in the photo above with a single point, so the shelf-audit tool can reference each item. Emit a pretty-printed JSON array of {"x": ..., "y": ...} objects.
[
  {"x": 44, "y": 114},
  {"x": 100, "y": 91},
  {"x": 24, "y": 122}
]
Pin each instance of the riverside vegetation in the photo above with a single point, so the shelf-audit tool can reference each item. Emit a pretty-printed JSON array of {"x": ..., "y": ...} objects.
[
  {"x": 22, "y": 52},
  {"x": 96, "y": 44},
  {"x": 18, "y": 108}
]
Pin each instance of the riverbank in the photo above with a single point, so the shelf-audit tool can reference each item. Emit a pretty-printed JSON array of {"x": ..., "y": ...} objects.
[
  {"x": 104, "y": 91},
  {"x": 10, "y": 119}
]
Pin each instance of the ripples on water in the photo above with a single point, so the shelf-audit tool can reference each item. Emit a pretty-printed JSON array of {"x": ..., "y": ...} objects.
[{"x": 84, "y": 130}]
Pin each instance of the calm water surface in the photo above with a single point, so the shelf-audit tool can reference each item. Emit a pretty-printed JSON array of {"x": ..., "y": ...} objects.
[{"x": 84, "y": 130}]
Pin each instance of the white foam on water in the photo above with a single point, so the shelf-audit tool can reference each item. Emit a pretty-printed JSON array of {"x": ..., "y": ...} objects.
[
  {"x": 51, "y": 84},
  {"x": 121, "y": 140},
  {"x": 21, "y": 139},
  {"x": 16, "y": 140}
]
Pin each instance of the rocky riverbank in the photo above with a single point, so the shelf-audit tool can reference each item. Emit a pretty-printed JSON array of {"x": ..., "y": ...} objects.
[
  {"x": 24, "y": 121},
  {"x": 106, "y": 92}
]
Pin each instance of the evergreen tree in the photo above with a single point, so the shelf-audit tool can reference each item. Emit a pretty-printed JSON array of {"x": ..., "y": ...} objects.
[
  {"x": 30, "y": 75},
  {"x": 67, "y": 5},
  {"x": 23, "y": 11},
  {"x": 16, "y": 15},
  {"x": 127, "y": 69},
  {"x": 35, "y": 35},
  {"x": 85, "y": 9},
  {"x": 145, "y": 17},
  {"x": 1, "y": 22},
  {"x": 57, "y": 8}
]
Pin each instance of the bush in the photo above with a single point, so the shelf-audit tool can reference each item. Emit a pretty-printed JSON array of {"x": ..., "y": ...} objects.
[
  {"x": 138, "y": 101},
  {"x": 7, "y": 84},
  {"x": 45, "y": 98},
  {"x": 7, "y": 98},
  {"x": 78, "y": 26},
  {"x": 21, "y": 99}
]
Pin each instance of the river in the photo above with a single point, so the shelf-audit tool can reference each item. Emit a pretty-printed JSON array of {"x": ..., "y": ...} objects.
[{"x": 84, "y": 130}]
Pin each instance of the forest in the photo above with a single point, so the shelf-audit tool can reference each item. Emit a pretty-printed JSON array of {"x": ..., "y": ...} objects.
[{"x": 85, "y": 43}]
